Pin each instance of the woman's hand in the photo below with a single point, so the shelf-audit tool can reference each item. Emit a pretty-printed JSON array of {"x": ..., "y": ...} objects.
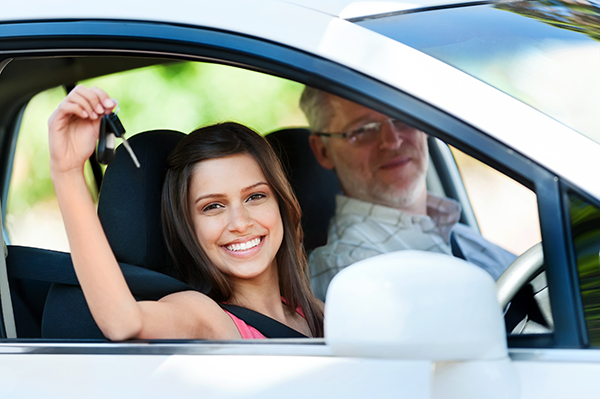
[{"x": 74, "y": 128}]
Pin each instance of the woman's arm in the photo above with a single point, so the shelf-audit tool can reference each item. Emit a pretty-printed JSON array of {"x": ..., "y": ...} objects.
[{"x": 73, "y": 132}]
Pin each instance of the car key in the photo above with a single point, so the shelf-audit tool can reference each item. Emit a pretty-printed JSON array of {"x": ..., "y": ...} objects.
[{"x": 111, "y": 127}]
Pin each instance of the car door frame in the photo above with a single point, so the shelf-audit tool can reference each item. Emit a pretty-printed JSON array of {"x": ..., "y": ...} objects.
[{"x": 46, "y": 38}]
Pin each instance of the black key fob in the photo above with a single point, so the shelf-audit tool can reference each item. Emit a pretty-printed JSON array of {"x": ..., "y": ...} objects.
[
  {"x": 114, "y": 124},
  {"x": 110, "y": 128},
  {"x": 105, "y": 152}
]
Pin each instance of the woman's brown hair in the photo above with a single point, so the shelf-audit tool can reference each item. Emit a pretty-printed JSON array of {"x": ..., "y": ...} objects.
[{"x": 193, "y": 264}]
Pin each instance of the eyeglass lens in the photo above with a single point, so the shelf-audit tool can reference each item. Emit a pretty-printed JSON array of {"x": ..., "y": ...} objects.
[{"x": 371, "y": 132}]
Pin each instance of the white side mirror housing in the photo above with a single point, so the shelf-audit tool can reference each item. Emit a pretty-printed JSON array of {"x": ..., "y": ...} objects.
[{"x": 415, "y": 305}]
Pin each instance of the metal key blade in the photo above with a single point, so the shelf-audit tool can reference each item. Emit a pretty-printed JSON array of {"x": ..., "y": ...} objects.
[{"x": 131, "y": 153}]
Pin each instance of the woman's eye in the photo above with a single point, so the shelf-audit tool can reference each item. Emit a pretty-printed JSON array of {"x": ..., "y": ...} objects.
[
  {"x": 256, "y": 196},
  {"x": 212, "y": 207}
]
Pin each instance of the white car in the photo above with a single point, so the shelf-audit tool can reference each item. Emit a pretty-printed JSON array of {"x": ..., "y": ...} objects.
[{"x": 513, "y": 86}]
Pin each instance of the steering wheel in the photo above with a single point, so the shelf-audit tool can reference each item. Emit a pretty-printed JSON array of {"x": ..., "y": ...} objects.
[{"x": 520, "y": 272}]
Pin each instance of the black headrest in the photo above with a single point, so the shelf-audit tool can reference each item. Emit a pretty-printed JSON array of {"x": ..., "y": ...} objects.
[
  {"x": 129, "y": 202},
  {"x": 314, "y": 186}
]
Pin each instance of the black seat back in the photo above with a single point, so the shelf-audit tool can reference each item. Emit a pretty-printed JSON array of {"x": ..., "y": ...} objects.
[
  {"x": 315, "y": 187},
  {"x": 129, "y": 210},
  {"x": 129, "y": 202}
]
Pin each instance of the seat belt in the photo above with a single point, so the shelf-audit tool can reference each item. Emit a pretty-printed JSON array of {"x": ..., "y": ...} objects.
[
  {"x": 8, "y": 317},
  {"x": 267, "y": 326}
]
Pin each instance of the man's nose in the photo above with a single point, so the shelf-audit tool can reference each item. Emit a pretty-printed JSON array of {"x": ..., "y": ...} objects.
[
  {"x": 391, "y": 137},
  {"x": 239, "y": 219}
]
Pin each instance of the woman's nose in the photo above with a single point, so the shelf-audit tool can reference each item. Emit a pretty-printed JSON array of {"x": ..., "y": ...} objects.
[
  {"x": 391, "y": 136},
  {"x": 240, "y": 219}
]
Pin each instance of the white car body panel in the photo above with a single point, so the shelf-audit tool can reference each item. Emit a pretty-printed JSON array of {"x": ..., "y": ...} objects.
[
  {"x": 556, "y": 373},
  {"x": 347, "y": 9},
  {"x": 262, "y": 371},
  {"x": 213, "y": 376}
]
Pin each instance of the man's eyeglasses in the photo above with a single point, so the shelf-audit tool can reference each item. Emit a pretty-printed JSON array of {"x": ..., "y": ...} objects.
[{"x": 367, "y": 133}]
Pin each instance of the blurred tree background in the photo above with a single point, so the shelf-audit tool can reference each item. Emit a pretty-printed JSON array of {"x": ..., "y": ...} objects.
[{"x": 179, "y": 96}]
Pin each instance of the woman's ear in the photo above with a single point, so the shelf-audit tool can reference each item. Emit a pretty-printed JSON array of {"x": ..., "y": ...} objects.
[{"x": 321, "y": 151}]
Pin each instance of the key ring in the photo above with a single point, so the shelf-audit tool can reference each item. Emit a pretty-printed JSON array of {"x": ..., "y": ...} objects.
[
  {"x": 111, "y": 127},
  {"x": 117, "y": 108}
]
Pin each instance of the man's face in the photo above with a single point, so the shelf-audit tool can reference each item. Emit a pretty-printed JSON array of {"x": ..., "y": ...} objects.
[{"x": 390, "y": 170}]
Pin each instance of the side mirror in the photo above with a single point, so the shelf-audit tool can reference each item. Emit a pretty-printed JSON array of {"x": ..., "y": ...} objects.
[{"x": 413, "y": 305}]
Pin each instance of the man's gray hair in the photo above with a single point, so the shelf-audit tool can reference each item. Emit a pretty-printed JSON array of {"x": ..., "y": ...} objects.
[{"x": 316, "y": 106}]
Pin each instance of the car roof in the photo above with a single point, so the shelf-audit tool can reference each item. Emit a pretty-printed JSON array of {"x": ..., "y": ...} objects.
[
  {"x": 351, "y": 9},
  {"x": 345, "y": 9}
]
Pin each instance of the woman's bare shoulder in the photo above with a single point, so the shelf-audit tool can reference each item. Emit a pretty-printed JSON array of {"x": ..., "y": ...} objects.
[{"x": 193, "y": 315}]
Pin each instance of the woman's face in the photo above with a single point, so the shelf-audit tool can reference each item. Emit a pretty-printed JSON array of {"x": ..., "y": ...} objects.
[{"x": 236, "y": 216}]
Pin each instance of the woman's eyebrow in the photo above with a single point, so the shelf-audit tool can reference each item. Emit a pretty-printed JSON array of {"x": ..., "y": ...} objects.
[
  {"x": 253, "y": 186},
  {"x": 218, "y": 195},
  {"x": 200, "y": 198}
]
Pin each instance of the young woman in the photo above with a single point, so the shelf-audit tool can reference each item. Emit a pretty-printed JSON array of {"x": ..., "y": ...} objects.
[{"x": 231, "y": 223}]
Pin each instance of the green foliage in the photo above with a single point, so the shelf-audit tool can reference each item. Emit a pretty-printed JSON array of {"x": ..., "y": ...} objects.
[
  {"x": 185, "y": 96},
  {"x": 574, "y": 15},
  {"x": 585, "y": 225}
]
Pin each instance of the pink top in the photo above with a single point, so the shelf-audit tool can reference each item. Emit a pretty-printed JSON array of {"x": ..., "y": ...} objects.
[
  {"x": 249, "y": 332},
  {"x": 246, "y": 331}
]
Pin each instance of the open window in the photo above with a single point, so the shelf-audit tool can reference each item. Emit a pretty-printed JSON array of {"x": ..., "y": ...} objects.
[{"x": 167, "y": 93}]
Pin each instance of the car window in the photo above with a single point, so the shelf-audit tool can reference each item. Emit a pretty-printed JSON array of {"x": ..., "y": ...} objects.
[
  {"x": 178, "y": 96},
  {"x": 585, "y": 235},
  {"x": 507, "y": 214},
  {"x": 183, "y": 96},
  {"x": 506, "y": 211}
]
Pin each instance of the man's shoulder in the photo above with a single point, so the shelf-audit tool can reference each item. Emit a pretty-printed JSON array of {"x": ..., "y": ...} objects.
[{"x": 480, "y": 251}]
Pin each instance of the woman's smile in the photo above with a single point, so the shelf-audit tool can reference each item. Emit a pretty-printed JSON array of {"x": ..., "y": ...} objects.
[{"x": 245, "y": 247}]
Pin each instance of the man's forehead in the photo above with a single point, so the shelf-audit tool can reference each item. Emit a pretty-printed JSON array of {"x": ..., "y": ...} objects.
[{"x": 348, "y": 114}]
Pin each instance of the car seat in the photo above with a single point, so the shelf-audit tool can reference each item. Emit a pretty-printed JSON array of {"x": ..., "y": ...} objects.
[{"x": 314, "y": 186}]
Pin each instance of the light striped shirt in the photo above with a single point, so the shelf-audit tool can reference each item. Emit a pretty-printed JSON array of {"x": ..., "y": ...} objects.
[{"x": 360, "y": 230}]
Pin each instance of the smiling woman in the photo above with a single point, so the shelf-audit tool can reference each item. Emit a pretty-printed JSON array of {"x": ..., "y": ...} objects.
[{"x": 224, "y": 188}]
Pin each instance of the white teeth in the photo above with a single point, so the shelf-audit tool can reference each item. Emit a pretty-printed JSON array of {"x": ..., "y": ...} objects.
[{"x": 243, "y": 245}]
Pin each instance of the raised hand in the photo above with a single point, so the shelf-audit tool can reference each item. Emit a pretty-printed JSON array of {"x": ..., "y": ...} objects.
[{"x": 73, "y": 128}]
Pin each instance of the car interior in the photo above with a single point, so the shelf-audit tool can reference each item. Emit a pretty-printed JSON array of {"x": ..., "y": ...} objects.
[{"x": 47, "y": 300}]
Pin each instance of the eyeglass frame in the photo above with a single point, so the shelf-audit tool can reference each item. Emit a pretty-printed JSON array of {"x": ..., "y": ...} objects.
[{"x": 346, "y": 135}]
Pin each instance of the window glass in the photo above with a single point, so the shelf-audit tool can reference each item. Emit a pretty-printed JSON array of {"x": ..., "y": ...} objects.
[
  {"x": 507, "y": 215},
  {"x": 544, "y": 53},
  {"x": 585, "y": 230},
  {"x": 32, "y": 214},
  {"x": 179, "y": 96},
  {"x": 506, "y": 211}
]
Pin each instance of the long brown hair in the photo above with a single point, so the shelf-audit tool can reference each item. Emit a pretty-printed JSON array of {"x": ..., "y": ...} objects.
[{"x": 193, "y": 264}]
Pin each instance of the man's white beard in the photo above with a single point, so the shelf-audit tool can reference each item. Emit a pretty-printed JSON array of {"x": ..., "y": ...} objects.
[
  {"x": 389, "y": 195},
  {"x": 399, "y": 198}
]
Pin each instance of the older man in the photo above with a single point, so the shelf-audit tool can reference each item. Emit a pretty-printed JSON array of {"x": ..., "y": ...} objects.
[{"x": 381, "y": 164}]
